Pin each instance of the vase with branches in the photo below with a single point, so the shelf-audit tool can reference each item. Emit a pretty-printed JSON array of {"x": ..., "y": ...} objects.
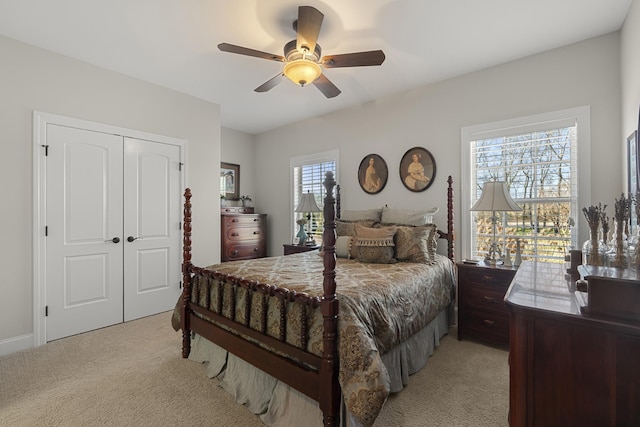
[
  {"x": 617, "y": 255},
  {"x": 591, "y": 248}
]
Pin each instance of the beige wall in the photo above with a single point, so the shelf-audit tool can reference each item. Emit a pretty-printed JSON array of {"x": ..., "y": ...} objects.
[
  {"x": 586, "y": 73},
  {"x": 35, "y": 79},
  {"x": 630, "y": 71}
]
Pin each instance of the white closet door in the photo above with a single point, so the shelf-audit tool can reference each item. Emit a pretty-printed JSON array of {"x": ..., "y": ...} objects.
[
  {"x": 152, "y": 235},
  {"x": 84, "y": 247}
]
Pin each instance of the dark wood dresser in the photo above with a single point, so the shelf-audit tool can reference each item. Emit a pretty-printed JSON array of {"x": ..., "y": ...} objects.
[
  {"x": 568, "y": 368},
  {"x": 243, "y": 234},
  {"x": 482, "y": 313}
]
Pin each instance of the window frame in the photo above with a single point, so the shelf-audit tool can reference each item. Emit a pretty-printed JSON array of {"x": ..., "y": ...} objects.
[
  {"x": 299, "y": 161},
  {"x": 581, "y": 116}
]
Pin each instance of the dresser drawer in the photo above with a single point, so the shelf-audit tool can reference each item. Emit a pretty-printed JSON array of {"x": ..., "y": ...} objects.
[
  {"x": 238, "y": 252},
  {"x": 239, "y": 234},
  {"x": 486, "y": 325},
  {"x": 230, "y": 221},
  {"x": 236, "y": 210}
]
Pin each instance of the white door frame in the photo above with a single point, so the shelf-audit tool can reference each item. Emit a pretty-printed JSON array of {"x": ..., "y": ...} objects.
[{"x": 40, "y": 122}]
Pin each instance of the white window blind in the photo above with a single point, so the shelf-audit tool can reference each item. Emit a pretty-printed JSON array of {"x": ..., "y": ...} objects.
[
  {"x": 308, "y": 174},
  {"x": 538, "y": 158},
  {"x": 538, "y": 169}
]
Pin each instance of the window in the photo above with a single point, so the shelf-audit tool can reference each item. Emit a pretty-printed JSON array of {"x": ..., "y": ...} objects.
[
  {"x": 308, "y": 174},
  {"x": 537, "y": 157}
]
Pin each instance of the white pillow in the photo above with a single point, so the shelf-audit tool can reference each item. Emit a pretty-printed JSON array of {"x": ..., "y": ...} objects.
[
  {"x": 343, "y": 246},
  {"x": 370, "y": 214},
  {"x": 405, "y": 217}
]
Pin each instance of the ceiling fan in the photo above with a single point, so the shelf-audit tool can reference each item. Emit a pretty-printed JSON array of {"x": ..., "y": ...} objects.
[{"x": 303, "y": 60}]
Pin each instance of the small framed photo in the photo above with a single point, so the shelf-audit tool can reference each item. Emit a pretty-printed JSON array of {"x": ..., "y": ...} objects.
[
  {"x": 417, "y": 169},
  {"x": 373, "y": 174},
  {"x": 230, "y": 181},
  {"x": 296, "y": 240},
  {"x": 633, "y": 174}
]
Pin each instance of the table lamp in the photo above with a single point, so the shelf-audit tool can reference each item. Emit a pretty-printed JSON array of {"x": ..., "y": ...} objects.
[
  {"x": 495, "y": 198},
  {"x": 307, "y": 204}
]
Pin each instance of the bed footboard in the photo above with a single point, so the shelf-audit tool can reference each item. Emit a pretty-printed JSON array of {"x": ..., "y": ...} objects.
[{"x": 232, "y": 312}]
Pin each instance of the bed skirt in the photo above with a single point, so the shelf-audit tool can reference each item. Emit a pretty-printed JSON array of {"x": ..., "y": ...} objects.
[{"x": 281, "y": 406}]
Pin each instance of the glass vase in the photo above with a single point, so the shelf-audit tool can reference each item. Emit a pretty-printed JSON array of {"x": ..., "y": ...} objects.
[
  {"x": 617, "y": 255},
  {"x": 591, "y": 249}
]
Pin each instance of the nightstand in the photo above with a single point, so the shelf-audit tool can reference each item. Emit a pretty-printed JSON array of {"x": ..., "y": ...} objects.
[
  {"x": 482, "y": 313},
  {"x": 296, "y": 249}
]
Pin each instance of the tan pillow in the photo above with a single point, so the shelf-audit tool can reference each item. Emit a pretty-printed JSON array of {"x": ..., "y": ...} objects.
[
  {"x": 416, "y": 244},
  {"x": 375, "y": 245},
  {"x": 348, "y": 228}
]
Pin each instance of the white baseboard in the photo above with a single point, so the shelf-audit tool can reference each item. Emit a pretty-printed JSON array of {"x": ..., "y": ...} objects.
[{"x": 15, "y": 344}]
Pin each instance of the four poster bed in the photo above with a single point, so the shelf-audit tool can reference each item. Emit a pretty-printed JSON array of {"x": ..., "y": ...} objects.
[{"x": 345, "y": 344}]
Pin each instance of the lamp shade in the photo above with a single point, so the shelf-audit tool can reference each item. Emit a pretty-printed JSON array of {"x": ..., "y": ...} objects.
[
  {"x": 302, "y": 71},
  {"x": 308, "y": 203},
  {"x": 495, "y": 197}
]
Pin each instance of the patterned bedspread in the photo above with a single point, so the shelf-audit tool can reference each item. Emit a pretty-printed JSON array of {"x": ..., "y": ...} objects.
[{"x": 381, "y": 305}]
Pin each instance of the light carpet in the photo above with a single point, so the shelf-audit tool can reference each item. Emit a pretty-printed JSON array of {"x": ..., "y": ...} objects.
[{"x": 132, "y": 374}]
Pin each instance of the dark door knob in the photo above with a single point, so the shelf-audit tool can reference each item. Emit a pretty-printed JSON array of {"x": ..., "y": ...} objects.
[
  {"x": 131, "y": 239},
  {"x": 114, "y": 240}
]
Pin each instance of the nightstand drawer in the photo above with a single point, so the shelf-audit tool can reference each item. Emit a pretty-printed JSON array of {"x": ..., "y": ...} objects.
[
  {"x": 484, "y": 298},
  {"x": 486, "y": 325},
  {"x": 487, "y": 276}
]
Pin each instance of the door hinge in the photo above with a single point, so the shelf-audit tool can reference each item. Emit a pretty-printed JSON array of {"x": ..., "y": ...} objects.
[
  {"x": 180, "y": 284},
  {"x": 180, "y": 166},
  {"x": 46, "y": 149},
  {"x": 46, "y": 230},
  {"x": 46, "y": 310},
  {"x": 180, "y": 225}
]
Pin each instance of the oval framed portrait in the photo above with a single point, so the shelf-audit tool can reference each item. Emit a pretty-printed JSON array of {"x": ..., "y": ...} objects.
[
  {"x": 373, "y": 174},
  {"x": 417, "y": 169}
]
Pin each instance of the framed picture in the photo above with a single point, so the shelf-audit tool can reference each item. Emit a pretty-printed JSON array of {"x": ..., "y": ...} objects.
[
  {"x": 230, "y": 181},
  {"x": 373, "y": 174},
  {"x": 417, "y": 169},
  {"x": 633, "y": 174}
]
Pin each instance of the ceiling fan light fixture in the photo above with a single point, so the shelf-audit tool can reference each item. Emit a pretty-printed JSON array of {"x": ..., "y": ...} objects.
[{"x": 302, "y": 71}]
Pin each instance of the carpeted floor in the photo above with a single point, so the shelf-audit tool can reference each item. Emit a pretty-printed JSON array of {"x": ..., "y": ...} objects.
[{"x": 132, "y": 374}]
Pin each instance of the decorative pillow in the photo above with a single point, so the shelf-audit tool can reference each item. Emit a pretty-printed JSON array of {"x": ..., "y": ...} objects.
[
  {"x": 404, "y": 217},
  {"x": 375, "y": 245},
  {"x": 345, "y": 228},
  {"x": 363, "y": 215},
  {"x": 343, "y": 247},
  {"x": 416, "y": 244}
]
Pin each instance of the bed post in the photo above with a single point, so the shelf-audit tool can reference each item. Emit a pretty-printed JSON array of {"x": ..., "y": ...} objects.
[
  {"x": 451, "y": 236},
  {"x": 186, "y": 275},
  {"x": 329, "y": 386}
]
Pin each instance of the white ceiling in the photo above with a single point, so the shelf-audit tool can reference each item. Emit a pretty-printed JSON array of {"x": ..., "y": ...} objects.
[{"x": 173, "y": 43}]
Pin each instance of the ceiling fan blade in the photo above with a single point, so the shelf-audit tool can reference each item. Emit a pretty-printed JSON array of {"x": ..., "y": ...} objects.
[
  {"x": 308, "y": 27},
  {"x": 269, "y": 84},
  {"x": 356, "y": 59},
  {"x": 232, "y": 48},
  {"x": 326, "y": 87}
]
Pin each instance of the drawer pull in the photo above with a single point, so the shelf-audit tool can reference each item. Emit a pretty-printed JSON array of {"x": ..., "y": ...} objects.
[
  {"x": 489, "y": 322},
  {"x": 256, "y": 249},
  {"x": 256, "y": 232},
  {"x": 489, "y": 299},
  {"x": 488, "y": 278},
  {"x": 234, "y": 220},
  {"x": 234, "y": 252},
  {"x": 256, "y": 219},
  {"x": 235, "y": 234}
]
